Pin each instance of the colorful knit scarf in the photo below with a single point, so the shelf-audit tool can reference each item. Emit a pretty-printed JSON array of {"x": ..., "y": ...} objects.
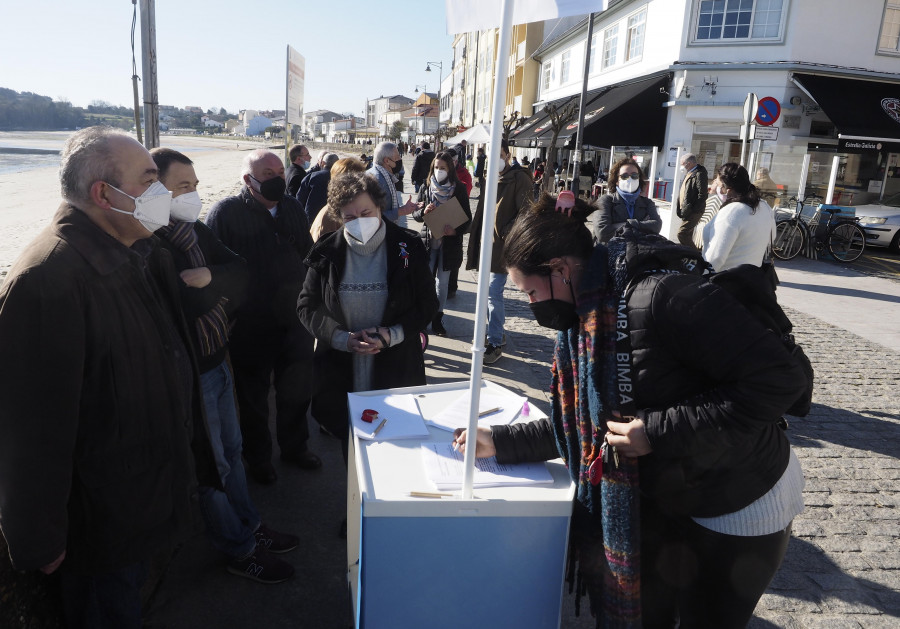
[
  {"x": 585, "y": 389},
  {"x": 212, "y": 326}
]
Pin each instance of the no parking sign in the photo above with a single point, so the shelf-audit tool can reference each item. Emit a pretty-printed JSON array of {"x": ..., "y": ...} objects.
[{"x": 768, "y": 112}]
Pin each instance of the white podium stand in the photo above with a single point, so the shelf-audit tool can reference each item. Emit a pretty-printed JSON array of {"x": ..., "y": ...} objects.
[{"x": 495, "y": 561}]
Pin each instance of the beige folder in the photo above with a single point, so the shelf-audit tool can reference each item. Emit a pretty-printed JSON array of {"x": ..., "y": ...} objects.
[{"x": 449, "y": 212}]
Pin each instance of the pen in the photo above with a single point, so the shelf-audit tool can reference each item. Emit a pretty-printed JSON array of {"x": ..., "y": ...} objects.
[
  {"x": 489, "y": 411},
  {"x": 380, "y": 426},
  {"x": 428, "y": 494}
]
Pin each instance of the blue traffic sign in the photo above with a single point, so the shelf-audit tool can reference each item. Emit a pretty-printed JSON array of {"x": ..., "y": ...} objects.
[{"x": 768, "y": 112}]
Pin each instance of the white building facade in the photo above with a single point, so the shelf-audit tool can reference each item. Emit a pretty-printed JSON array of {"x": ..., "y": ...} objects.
[{"x": 811, "y": 63}]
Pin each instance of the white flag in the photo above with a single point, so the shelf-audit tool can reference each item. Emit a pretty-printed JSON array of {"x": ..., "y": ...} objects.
[{"x": 464, "y": 16}]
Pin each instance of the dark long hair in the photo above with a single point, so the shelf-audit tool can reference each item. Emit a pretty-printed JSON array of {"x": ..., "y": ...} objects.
[
  {"x": 736, "y": 177},
  {"x": 613, "y": 179},
  {"x": 541, "y": 234},
  {"x": 444, "y": 156}
]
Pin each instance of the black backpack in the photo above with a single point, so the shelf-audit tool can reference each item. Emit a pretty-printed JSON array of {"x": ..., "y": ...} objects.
[{"x": 752, "y": 286}]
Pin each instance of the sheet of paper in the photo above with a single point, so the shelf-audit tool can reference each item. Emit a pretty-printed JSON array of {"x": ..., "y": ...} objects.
[
  {"x": 401, "y": 412},
  {"x": 444, "y": 467},
  {"x": 456, "y": 415}
]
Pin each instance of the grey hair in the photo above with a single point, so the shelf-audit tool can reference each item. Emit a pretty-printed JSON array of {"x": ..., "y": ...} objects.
[
  {"x": 688, "y": 157},
  {"x": 384, "y": 149},
  {"x": 86, "y": 158},
  {"x": 321, "y": 158},
  {"x": 330, "y": 159},
  {"x": 250, "y": 160}
]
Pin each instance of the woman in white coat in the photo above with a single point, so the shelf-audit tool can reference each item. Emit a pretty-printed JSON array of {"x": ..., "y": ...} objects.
[{"x": 742, "y": 230}]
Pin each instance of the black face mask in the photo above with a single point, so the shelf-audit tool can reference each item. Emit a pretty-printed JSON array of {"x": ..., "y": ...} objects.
[
  {"x": 555, "y": 313},
  {"x": 398, "y": 166},
  {"x": 271, "y": 189}
]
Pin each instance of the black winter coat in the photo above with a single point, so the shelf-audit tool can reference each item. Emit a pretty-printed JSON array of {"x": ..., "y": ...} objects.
[
  {"x": 412, "y": 303},
  {"x": 100, "y": 405},
  {"x": 313, "y": 194},
  {"x": 711, "y": 383},
  {"x": 421, "y": 166},
  {"x": 452, "y": 245},
  {"x": 229, "y": 280},
  {"x": 274, "y": 249},
  {"x": 294, "y": 177},
  {"x": 612, "y": 213}
]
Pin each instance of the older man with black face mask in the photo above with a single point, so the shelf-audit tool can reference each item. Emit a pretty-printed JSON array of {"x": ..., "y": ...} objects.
[
  {"x": 387, "y": 156},
  {"x": 269, "y": 230}
]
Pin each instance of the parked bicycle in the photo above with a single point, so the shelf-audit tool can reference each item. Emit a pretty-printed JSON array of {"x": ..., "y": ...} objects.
[{"x": 840, "y": 236}]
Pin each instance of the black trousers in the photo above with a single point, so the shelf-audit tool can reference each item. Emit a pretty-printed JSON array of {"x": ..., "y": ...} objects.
[
  {"x": 110, "y": 600},
  {"x": 694, "y": 578},
  {"x": 261, "y": 358}
]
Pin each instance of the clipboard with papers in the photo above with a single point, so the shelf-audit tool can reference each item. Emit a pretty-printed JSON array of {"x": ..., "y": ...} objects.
[{"x": 450, "y": 212}]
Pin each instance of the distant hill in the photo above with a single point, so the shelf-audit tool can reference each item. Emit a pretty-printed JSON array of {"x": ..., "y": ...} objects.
[{"x": 25, "y": 111}]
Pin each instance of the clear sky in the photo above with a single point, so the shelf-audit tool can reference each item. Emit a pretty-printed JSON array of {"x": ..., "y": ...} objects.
[{"x": 225, "y": 53}]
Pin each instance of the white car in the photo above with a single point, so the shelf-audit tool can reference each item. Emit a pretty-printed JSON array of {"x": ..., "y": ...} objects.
[{"x": 881, "y": 222}]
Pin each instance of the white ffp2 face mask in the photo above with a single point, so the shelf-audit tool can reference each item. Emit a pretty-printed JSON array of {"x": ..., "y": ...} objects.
[
  {"x": 440, "y": 174},
  {"x": 186, "y": 207},
  {"x": 629, "y": 185},
  {"x": 151, "y": 208},
  {"x": 363, "y": 228}
]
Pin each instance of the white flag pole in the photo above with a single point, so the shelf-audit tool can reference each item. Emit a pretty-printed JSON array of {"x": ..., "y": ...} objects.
[{"x": 489, "y": 211}]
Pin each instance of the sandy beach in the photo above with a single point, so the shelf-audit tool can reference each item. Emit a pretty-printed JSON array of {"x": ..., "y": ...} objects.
[{"x": 31, "y": 197}]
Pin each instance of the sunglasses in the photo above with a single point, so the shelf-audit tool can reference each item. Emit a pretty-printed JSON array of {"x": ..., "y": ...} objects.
[{"x": 629, "y": 176}]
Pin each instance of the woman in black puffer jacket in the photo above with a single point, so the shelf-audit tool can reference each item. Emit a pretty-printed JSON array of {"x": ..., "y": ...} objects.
[{"x": 693, "y": 415}]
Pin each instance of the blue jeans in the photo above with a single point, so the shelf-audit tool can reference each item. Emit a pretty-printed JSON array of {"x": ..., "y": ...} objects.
[
  {"x": 111, "y": 600},
  {"x": 441, "y": 277},
  {"x": 231, "y": 519},
  {"x": 496, "y": 311}
]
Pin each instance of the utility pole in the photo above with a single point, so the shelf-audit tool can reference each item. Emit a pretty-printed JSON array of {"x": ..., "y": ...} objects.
[
  {"x": 579, "y": 134},
  {"x": 148, "y": 51}
]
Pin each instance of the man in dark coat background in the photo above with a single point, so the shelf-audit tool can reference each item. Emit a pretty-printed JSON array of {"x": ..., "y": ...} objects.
[
  {"x": 421, "y": 165},
  {"x": 270, "y": 231},
  {"x": 691, "y": 199},
  {"x": 99, "y": 401},
  {"x": 300, "y": 158}
]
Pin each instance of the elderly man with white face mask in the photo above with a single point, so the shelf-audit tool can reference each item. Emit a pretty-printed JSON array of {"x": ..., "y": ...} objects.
[{"x": 97, "y": 388}]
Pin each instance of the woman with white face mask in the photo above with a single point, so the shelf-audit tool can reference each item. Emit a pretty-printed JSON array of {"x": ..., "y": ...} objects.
[
  {"x": 368, "y": 293},
  {"x": 624, "y": 203},
  {"x": 445, "y": 248},
  {"x": 743, "y": 228}
]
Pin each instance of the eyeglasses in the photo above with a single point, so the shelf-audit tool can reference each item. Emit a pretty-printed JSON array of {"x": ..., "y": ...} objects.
[{"x": 629, "y": 176}]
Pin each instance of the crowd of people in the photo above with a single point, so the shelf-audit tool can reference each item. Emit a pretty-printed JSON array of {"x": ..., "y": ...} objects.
[{"x": 141, "y": 344}]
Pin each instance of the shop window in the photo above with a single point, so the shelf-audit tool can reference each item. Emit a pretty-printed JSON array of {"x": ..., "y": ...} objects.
[
  {"x": 635, "y": 36},
  {"x": 889, "y": 41},
  {"x": 822, "y": 129},
  {"x": 610, "y": 46},
  {"x": 727, "y": 21}
]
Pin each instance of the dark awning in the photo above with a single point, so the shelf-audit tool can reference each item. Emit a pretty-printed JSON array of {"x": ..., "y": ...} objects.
[
  {"x": 539, "y": 122},
  {"x": 859, "y": 109},
  {"x": 625, "y": 114},
  {"x": 630, "y": 114}
]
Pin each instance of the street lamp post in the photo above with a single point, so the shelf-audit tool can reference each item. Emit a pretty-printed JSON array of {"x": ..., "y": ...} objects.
[{"x": 440, "y": 67}]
